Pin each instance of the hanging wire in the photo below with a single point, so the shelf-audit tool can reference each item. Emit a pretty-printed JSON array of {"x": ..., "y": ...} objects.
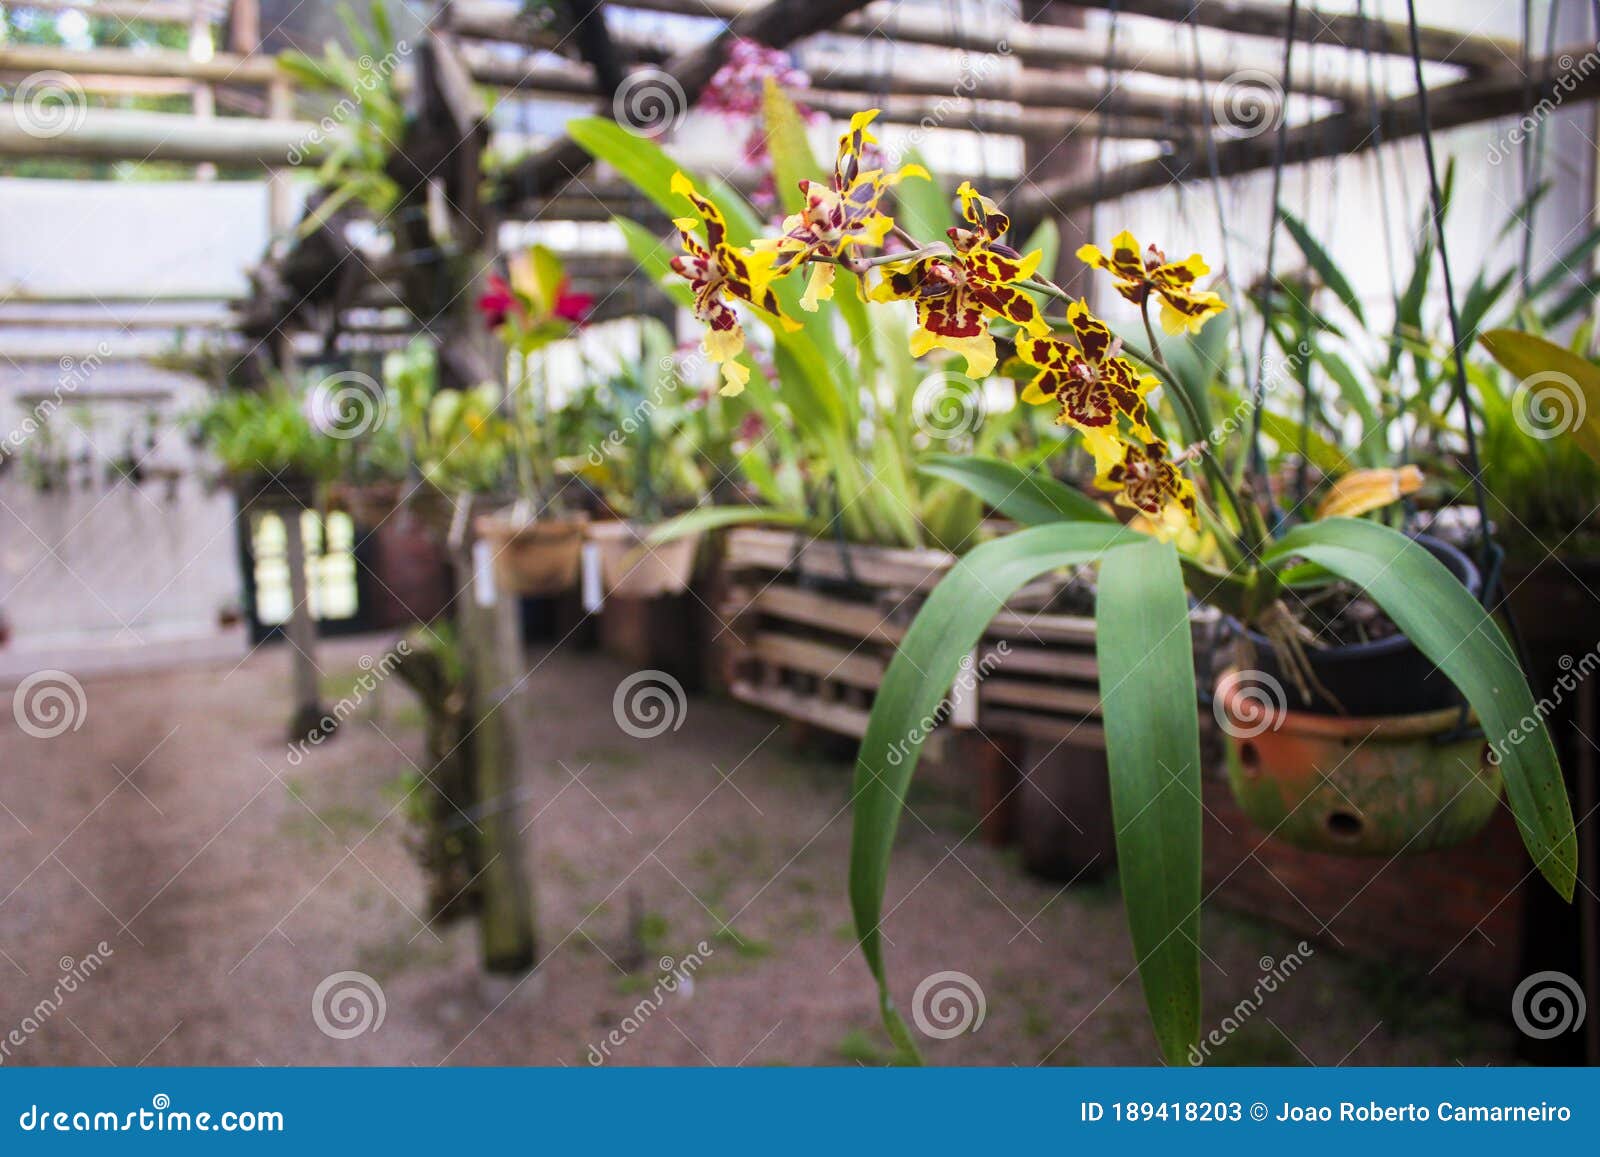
[
  {"x": 1488, "y": 552},
  {"x": 1302, "y": 472},
  {"x": 1218, "y": 197},
  {"x": 1531, "y": 155},
  {"x": 1107, "y": 111},
  {"x": 1375, "y": 123},
  {"x": 1258, "y": 463}
]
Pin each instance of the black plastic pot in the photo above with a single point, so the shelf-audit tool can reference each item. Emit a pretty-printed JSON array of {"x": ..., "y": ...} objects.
[{"x": 1387, "y": 677}]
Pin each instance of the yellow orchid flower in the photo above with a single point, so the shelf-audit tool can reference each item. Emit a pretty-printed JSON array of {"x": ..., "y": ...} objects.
[
  {"x": 1184, "y": 309},
  {"x": 1144, "y": 479},
  {"x": 717, "y": 271},
  {"x": 956, "y": 292},
  {"x": 838, "y": 215},
  {"x": 1091, "y": 382}
]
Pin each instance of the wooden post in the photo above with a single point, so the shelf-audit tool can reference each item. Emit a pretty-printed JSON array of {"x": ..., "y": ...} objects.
[
  {"x": 204, "y": 100},
  {"x": 490, "y": 630},
  {"x": 244, "y": 26},
  {"x": 994, "y": 758},
  {"x": 301, "y": 629}
]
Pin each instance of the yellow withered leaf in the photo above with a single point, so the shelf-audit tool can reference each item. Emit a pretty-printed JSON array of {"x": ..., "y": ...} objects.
[{"x": 1363, "y": 490}]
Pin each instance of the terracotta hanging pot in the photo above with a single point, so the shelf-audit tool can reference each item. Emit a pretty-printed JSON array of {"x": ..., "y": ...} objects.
[
  {"x": 630, "y": 569},
  {"x": 1386, "y": 677},
  {"x": 534, "y": 558},
  {"x": 1351, "y": 784}
]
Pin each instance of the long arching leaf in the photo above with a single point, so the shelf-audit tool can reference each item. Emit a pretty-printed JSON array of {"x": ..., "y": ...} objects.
[
  {"x": 1147, "y": 690},
  {"x": 706, "y": 518},
  {"x": 1448, "y": 626},
  {"x": 913, "y": 689},
  {"x": 1031, "y": 497}
]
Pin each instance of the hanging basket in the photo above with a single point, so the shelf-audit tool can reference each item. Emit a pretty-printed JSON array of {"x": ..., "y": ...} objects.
[
  {"x": 632, "y": 570},
  {"x": 534, "y": 558},
  {"x": 1354, "y": 785},
  {"x": 369, "y": 504},
  {"x": 274, "y": 492}
]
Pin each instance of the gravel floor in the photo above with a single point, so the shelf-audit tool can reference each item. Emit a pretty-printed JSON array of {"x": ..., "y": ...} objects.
[{"x": 226, "y": 885}]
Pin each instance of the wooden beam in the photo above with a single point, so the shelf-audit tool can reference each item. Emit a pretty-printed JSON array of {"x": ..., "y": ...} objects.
[
  {"x": 1469, "y": 101},
  {"x": 1025, "y": 87},
  {"x": 777, "y": 24},
  {"x": 848, "y": 91},
  {"x": 223, "y": 68},
  {"x": 1033, "y": 44},
  {"x": 128, "y": 11},
  {"x": 118, "y": 135},
  {"x": 1255, "y": 18},
  {"x": 1031, "y": 123}
]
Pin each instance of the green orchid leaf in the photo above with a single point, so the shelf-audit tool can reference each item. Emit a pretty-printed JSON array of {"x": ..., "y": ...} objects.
[
  {"x": 1147, "y": 687},
  {"x": 1031, "y": 497},
  {"x": 788, "y": 146},
  {"x": 913, "y": 689},
  {"x": 1567, "y": 265},
  {"x": 1448, "y": 626},
  {"x": 708, "y": 518},
  {"x": 925, "y": 207},
  {"x": 1323, "y": 264}
]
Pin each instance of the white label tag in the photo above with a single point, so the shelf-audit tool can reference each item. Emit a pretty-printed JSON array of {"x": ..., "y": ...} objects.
[
  {"x": 964, "y": 694},
  {"x": 483, "y": 573},
  {"x": 593, "y": 589}
]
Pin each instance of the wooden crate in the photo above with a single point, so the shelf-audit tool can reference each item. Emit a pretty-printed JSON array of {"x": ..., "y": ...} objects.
[{"x": 813, "y": 625}]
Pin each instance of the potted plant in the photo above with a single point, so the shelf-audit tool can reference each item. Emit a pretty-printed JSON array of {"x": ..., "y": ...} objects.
[
  {"x": 653, "y": 454},
  {"x": 268, "y": 448},
  {"x": 538, "y": 540},
  {"x": 1199, "y": 533}
]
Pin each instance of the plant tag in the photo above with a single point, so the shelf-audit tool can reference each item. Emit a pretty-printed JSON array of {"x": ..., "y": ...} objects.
[
  {"x": 483, "y": 573},
  {"x": 964, "y": 694},
  {"x": 593, "y": 590}
]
